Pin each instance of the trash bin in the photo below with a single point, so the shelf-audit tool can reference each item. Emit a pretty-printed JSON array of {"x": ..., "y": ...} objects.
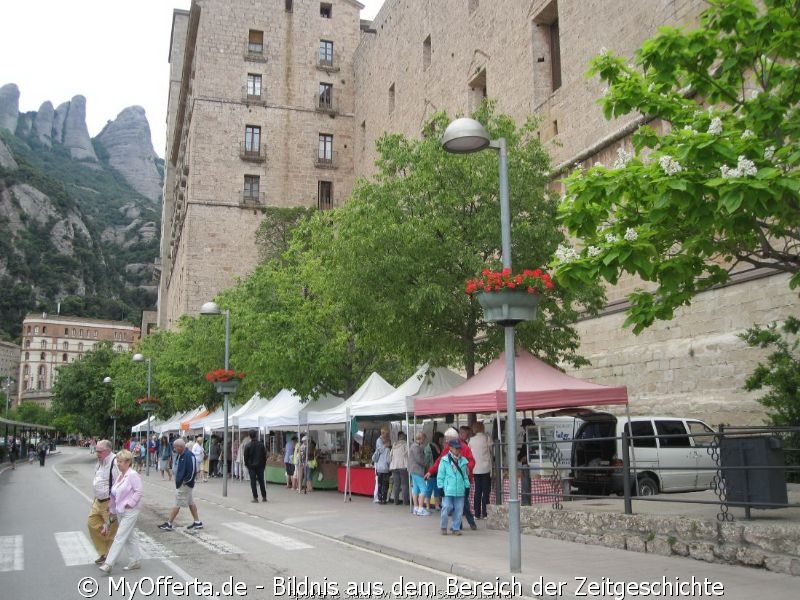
[{"x": 751, "y": 486}]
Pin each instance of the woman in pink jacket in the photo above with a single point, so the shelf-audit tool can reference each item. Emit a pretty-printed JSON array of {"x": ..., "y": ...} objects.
[{"x": 126, "y": 498}]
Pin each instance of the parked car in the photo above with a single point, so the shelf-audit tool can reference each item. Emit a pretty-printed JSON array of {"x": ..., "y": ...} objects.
[{"x": 667, "y": 454}]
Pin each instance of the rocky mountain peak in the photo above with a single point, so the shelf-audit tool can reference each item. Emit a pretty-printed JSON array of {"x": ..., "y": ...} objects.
[
  {"x": 130, "y": 151},
  {"x": 9, "y": 107}
]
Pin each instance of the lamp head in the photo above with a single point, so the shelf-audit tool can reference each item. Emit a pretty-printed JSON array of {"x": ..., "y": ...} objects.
[
  {"x": 106, "y": 379},
  {"x": 465, "y": 135},
  {"x": 210, "y": 308},
  {"x": 138, "y": 357}
]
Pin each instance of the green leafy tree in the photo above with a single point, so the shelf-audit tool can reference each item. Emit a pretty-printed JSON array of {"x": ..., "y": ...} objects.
[
  {"x": 79, "y": 391},
  {"x": 718, "y": 188},
  {"x": 398, "y": 254},
  {"x": 780, "y": 375},
  {"x": 31, "y": 412},
  {"x": 276, "y": 228}
]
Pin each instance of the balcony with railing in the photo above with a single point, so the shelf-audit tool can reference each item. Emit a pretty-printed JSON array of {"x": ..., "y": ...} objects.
[
  {"x": 250, "y": 96},
  {"x": 255, "y": 52},
  {"x": 328, "y": 63},
  {"x": 252, "y": 152},
  {"x": 327, "y": 160},
  {"x": 326, "y": 103},
  {"x": 250, "y": 198}
]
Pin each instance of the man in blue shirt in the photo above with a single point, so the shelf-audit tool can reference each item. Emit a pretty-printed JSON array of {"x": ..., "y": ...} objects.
[{"x": 185, "y": 471}]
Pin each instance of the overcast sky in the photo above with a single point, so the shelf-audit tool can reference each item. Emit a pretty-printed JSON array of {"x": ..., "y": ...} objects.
[{"x": 113, "y": 52}]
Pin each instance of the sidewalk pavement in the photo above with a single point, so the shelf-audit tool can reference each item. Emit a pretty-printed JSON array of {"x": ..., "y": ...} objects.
[{"x": 483, "y": 555}]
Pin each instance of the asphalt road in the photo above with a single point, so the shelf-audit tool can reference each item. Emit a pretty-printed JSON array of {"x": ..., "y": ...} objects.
[{"x": 45, "y": 551}]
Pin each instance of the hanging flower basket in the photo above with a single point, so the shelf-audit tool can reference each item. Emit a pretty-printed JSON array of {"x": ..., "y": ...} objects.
[
  {"x": 115, "y": 413},
  {"x": 508, "y": 307},
  {"x": 148, "y": 403},
  {"x": 508, "y": 298},
  {"x": 226, "y": 387},
  {"x": 225, "y": 380}
]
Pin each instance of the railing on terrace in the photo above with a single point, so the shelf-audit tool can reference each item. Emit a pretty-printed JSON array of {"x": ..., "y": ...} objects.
[{"x": 746, "y": 467}]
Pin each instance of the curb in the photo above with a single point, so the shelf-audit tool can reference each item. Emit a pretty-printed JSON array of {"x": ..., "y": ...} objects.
[{"x": 436, "y": 564}]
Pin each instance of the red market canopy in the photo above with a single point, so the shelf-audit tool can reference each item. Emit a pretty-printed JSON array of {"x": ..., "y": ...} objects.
[{"x": 538, "y": 385}]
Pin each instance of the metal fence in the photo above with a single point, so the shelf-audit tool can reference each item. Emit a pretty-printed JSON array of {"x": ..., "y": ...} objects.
[{"x": 747, "y": 467}]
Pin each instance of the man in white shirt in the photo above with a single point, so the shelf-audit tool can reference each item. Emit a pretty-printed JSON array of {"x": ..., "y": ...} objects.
[{"x": 104, "y": 476}]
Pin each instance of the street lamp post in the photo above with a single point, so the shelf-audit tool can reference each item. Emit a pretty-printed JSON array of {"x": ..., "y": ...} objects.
[
  {"x": 212, "y": 309},
  {"x": 141, "y": 358},
  {"x": 463, "y": 136},
  {"x": 8, "y": 392},
  {"x": 107, "y": 381}
]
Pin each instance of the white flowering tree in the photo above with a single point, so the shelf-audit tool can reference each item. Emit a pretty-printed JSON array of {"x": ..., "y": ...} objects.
[{"x": 718, "y": 186}]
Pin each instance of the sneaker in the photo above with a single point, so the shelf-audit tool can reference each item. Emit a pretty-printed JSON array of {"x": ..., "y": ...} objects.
[
  {"x": 106, "y": 568},
  {"x": 423, "y": 513},
  {"x": 195, "y": 525},
  {"x": 264, "y": 499},
  {"x": 456, "y": 532},
  {"x": 100, "y": 559},
  {"x": 473, "y": 526},
  {"x": 254, "y": 500},
  {"x": 415, "y": 511},
  {"x": 444, "y": 531},
  {"x": 166, "y": 526},
  {"x": 132, "y": 566}
]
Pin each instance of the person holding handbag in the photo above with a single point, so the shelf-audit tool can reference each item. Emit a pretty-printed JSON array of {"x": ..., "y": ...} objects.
[{"x": 126, "y": 497}]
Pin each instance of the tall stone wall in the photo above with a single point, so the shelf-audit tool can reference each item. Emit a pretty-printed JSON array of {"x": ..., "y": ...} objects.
[
  {"x": 507, "y": 41},
  {"x": 694, "y": 364}
]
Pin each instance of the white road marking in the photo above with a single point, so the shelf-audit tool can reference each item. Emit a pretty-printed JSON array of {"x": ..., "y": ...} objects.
[
  {"x": 76, "y": 548},
  {"x": 12, "y": 557},
  {"x": 151, "y": 548},
  {"x": 276, "y": 539},
  {"x": 209, "y": 542}
]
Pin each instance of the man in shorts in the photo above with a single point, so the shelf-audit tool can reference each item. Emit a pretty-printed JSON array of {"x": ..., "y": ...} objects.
[{"x": 185, "y": 471}]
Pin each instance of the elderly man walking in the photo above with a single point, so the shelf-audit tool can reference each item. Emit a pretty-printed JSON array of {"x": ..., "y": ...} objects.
[
  {"x": 185, "y": 473},
  {"x": 104, "y": 476}
]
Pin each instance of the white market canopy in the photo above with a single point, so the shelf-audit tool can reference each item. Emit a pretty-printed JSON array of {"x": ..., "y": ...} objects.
[
  {"x": 427, "y": 381},
  {"x": 155, "y": 424},
  {"x": 256, "y": 403},
  {"x": 174, "y": 423},
  {"x": 372, "y": 389},
  {"x": 214, "y": 421}
]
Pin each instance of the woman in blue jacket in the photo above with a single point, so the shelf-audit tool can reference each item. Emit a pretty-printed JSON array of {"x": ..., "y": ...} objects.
[{"x": 453, "y": 478}]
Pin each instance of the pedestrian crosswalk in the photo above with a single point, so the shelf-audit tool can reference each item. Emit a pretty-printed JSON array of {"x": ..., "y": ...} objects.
[
  {"x": 11, "y": 555},
  {"x": 76, "y": 548},
  {"x": 270, "y": 537}
]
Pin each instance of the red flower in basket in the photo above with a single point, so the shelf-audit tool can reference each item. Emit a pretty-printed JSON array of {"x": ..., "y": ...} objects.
[
  {"x": 223, "y": 375},
  {"x": 533, "y": 281},
  {"x": 148, "y": 400}
]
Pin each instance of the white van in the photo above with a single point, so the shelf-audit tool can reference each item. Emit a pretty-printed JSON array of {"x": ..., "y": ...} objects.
[
  {"x": 667, "y": 454},
  {"x": 548, "y": 433}
]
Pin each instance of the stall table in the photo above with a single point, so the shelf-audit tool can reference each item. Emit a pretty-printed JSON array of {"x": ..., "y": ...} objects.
[{"x": 362, "y": 480}]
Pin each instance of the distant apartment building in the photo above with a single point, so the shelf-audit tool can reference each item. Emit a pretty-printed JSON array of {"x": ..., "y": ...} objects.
[
  {"x": 50, "y": 341},
  {"x": 280, "y": 103}
]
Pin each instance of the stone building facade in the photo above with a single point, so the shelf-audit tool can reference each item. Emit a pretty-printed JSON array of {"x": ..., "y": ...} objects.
[
  {"x": 414, "y": 59},
  {"x": 260, "y": 114},
  {"x": 9, "y": 367},
  {"x": 49, "y": 341}
]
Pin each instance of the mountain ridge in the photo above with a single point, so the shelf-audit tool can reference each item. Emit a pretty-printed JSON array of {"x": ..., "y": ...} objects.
[{"x": 79, "y": 217}]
